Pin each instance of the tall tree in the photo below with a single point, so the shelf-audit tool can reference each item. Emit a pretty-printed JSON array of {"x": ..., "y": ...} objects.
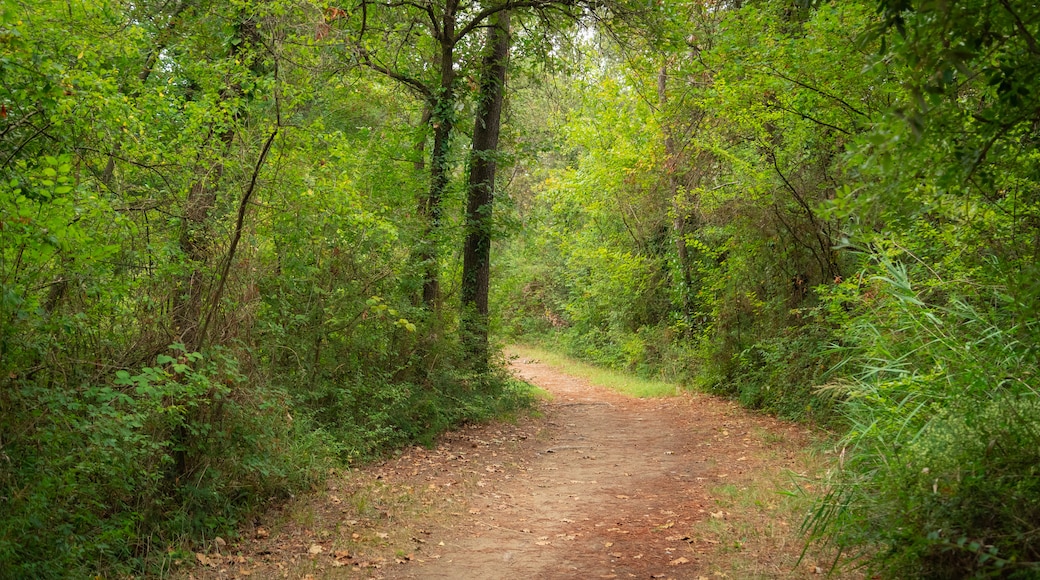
[
  {"x": 476, "y": 258},
  {"x": 429, "y": 64}
]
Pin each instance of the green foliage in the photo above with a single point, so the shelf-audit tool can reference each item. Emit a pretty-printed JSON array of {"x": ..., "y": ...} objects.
[
  {"x": 838, "y": 223},
  {"x": 134, "y": 153},
  {"x": 91, "y": 479},
  {"x": 940, "y": 476},
  {"x": 825, "y": 210}
]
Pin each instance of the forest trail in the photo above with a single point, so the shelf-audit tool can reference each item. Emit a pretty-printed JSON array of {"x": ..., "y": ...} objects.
[{"x": 602, "y": 485}]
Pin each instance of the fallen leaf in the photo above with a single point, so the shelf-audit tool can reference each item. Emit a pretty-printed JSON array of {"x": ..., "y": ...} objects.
[
  {"x": 315, "y": 549},
  {"x": 608, "y": 544},
  {"x": 541, "y": 543},
  {"x": 382, "y": 535},
  {"x": 203, "y": 559},
  {"x": 261, "y": 533},
  {"x": 615, "y": 554},
  {"x": 219, "y": 542},
  {"x": 678, "y": 562}
]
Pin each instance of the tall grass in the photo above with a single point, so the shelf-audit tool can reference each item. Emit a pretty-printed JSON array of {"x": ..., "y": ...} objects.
[{"x": 940, "y": 476}]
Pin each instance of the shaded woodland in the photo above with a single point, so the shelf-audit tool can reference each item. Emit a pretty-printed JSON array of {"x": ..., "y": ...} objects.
[{"x": 244, "y": 242}]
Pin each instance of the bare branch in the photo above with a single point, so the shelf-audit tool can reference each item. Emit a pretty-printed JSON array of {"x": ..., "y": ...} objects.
[
  {"x": 1030, "y": 39},
  {"x": 808, "y": 117},
  {"x": 483, "y": 15},
  {"x": 819, "y": 92},
  {"x": 425, "y": 7},
  {"x": 406, "y": 80}
]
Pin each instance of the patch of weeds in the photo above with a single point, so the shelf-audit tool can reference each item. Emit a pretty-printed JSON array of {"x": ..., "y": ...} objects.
[{"x": 771, "y": 438}]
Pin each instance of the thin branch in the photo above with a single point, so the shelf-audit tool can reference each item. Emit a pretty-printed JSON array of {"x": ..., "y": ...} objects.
[
  {"x": 508, "y": 5},
  {"x": 39, "y": 131},
  {"x": 808, "y": 118},
  {"x": 1030, "y": 39},
  {"x": 239, "y": 225},
  {"x": 415, "y": 84},
  {"x": 818, "y": 91},
  {"x": 989, "y": 145},
  {"x": 427, "y": 8}
]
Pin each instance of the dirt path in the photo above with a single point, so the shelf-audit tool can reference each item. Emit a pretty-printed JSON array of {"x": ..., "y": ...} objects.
[{"x": 601, "y": 486}]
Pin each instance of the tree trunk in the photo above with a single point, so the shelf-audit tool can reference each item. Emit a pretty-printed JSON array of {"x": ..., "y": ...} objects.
[
  {"x": 442, "y": 121},
  {"x": 195, "y": 241},
  {"x": 476, "y": 261},
  {"x": 679, "y": 229}
]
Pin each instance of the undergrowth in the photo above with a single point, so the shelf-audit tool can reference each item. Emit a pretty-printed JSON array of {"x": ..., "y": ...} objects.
[
  {"x": 122, "y": 475},
  {"x": 941, "y": 476}
]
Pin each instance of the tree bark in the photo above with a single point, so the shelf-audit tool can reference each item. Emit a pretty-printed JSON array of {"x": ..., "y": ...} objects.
[
  {"x": 443, "y": 121},
  {"x": 679, "y": 220},
  {"x": 476, "y": 261},
  {"x": 196, "y": 239}
]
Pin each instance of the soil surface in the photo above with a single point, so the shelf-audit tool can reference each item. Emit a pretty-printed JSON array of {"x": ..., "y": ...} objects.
[{"x": 600, "y": 485}]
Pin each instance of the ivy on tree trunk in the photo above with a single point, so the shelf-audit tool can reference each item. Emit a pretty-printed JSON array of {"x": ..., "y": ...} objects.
[{"x": 476, "y": 257}]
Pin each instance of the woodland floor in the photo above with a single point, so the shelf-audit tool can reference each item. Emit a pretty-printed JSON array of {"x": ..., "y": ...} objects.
[{"x": 596, "y": 485}]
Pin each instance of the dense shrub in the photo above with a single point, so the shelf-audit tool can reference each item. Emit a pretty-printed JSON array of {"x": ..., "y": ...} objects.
[
  {"x": 940, "y": 478},
  {"x": 96, "y": 475}
]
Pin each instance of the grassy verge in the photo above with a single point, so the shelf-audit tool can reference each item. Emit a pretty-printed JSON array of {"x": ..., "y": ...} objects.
[{"x": 623, "y": 383}]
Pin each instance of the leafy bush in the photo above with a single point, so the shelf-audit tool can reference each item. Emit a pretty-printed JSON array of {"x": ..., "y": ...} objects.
[
  {"x": 940, "y": 467},
  {"x": 93, "y": 476}
]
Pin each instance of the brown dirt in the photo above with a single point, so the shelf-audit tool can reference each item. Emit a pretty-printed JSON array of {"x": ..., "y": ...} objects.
[{"x": 601, "y": 485}]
